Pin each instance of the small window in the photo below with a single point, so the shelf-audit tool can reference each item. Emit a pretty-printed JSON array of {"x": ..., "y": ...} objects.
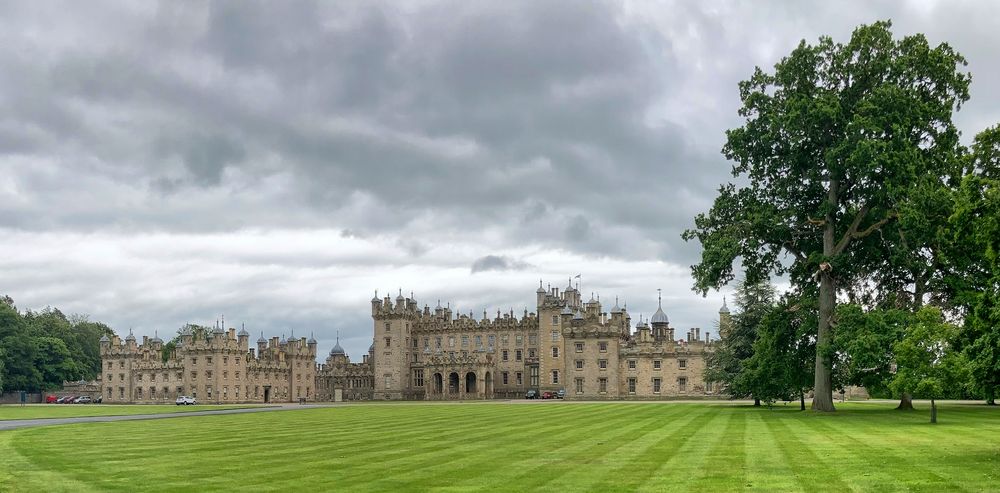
[
  {"x": 503, "y": 377},
  {"x": 579, "y": 385},
  {"x": 519, "y": 377},
  {"x": 555, "y": 376},
  {"x": 631, "y": 385},
  {"x": 388, "y": 327},
  {"x": 631, "y": 364},
  {"x": 504, "y": 355},
  {"x": 555, "y": 319},
  {"x": 656, "y": 364},
  {"x": 519, "y": 340},
  {"x": 682, "y": 364},
  {"x": 602, "y": 364},
  {"x": 656, "y": 385},
  {"x": 532, "y": 340},
  {"x": 518, "y": 355},
  {"x": 579, "y": 364},
  {"x": 531, "y": 353},
  {"x": 555, "y": 352},
  {"x": 602, "y": 346},
  {"x": 388, "y": 341},
  {"x": 682, "y": 384},
  {"x": 209, "y": 359},
  {"x": 579, "y": 347},
  {"x": 602, "y": 385},
  {"x": 555, "y": 336}
]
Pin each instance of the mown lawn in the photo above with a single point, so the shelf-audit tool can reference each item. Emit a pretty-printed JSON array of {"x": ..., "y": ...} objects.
[
  {"x": 35, "y": 411},
  {"x": 550, "y": 446}
]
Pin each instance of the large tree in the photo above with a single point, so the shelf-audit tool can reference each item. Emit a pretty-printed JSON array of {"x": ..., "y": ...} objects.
[
  {"x": 726, "y": 365},
  {"x": 975, "y": 261},
  {"x": 834, "y": 141}
]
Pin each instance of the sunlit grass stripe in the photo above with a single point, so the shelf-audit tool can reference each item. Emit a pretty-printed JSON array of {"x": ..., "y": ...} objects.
[
  {"x": 680, "y": 468},
  {"x": 810, "y": 470},
  {"x": 767, "y": 461}
]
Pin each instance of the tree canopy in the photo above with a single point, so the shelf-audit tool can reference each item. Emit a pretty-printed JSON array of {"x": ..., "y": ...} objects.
[{"x": 835, "y": 141}]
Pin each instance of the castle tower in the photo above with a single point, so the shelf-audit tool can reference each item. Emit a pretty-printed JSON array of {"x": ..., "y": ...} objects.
[
  {"x": 391, "y": 344},
  {"x": 725, "y": 320},
  {"x": 659, "y": 320}
]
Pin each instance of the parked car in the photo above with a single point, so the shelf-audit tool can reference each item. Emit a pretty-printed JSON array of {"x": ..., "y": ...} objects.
[
  {"x": 561, "y": 394},
  {"x": 531, "y": 394},
  {"x": 185, "y": 400},
  {"x": 51, "y": 399},
  {"x": 99, "y": 399},
  {"x": 67, "y": 399},
  {"x": 548, "y": 395},
  {"x": 83, "y": 399}
]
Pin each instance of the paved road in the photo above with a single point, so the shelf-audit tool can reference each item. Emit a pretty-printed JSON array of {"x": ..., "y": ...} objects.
[{"x": 29, "y": 423}]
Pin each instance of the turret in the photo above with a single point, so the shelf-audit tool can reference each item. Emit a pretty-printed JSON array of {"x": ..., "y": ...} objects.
[
  {"x": 659, "y": 319},
  {"x": 725, "y": 320}
]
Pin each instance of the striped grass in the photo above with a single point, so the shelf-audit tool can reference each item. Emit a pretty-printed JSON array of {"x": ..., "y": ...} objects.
[
  {"x": 39, "y": 411},
  {"x": 548, "y": 446}
]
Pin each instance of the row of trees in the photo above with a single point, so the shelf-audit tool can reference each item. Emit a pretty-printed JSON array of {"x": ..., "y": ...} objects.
[
  {"x": 855, "y": 187},
  {"x": 41, "y": 350}
]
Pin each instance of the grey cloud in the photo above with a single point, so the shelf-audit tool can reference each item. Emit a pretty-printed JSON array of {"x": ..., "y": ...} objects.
[{"x": 497, "y": 263}]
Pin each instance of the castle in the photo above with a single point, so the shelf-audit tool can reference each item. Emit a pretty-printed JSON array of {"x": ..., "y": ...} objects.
[{"x": 430, "y": 354}]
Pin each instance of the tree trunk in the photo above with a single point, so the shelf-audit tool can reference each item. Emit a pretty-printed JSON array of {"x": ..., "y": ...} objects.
[
  {"x": 823, "y": 387},
  {"x": 991, "y": 397},
  {"x": 802, "y": 401},
  {"x": 756, "y": 402},
  {"x": 933, "y": 412},
  {"x": 905, "y": 402}
]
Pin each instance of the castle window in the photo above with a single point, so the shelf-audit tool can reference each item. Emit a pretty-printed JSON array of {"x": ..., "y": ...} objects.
[
  {"x": 517, "y": 355},
  {"x": 579, "y": 385},
  {"x": 109, "y": 392},
  {"x": 208, "y": 359},
  {"x": 236, "y": 391},
  {"x": 555, "y": 336},
  {"x": 602, "y": 364},
  {"x": 555, "y": 352},
  {"x": 682, "y": 384},
  {"x": 555, "y": 376},
  {"x": 388, "y": 341},
  {"x": 532, "y": 340},
  {"x": 602, "y": 346},
  {"x": 631, "y": 385},
  {"x": 579, "y": 364},
  {"x": 388, "y": 381},
  {"x": 208, "y": 390},
  {"x": 656, "y": 364},
  {"x": 505, "y": 339},
  {"x": 519, "y": 340},
  {"x": 602, "y": 385},
  {"x": 225, "y": 360},
  {"x": 418, "y": 378},
  {"x": 451, "y": 341},
  {"x": 465, "y": 341},
  {"x": 121, "y": 393},
  {"x": 555, "y": 319},
  {"x": 533, "y": 376},
  {"x": 138, "y": 393},
  {"x": 138, "y": 377},
  {"x": 579, "y": 347},
  {"x": 491, "y": 340},
  {"x": 682, "y": 363},
  {"x": 225, "y": 374},
  {"x": 437, "y": 342},
  {"x": 415, "y": 343},
  {"x": 427, "y": 343},
  {"x": 237, "y": 375},
  {"x": 519, "y": 378},
  {"x": 708, "y": 386},
  {"x": 479, "y": 341},
  {"x": 121, "y": 377},
  {"x": 503, "y": 377},
  {"x": 110, "y": 365},
  {"x": 152, "y": 377},
  {"x": 504, "y": 355},
  {"x": 656, "y": 385},
  {"x": 631, "y": 364},
  {"x": 531, "y": 353},
  {"x": 152, "y": 392},
  {"x": 121, "y": 364},
  {"x": 194, "y": 375},
  {"x": 388, "y": 326},
  {"x": 110, "y": 377},
  {"x": 194, "y": 361},
  {"x": 208, "y": 374}
]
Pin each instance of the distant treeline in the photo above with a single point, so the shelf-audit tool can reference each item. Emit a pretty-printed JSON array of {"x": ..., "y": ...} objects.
[{"x": 40, "y": 350}]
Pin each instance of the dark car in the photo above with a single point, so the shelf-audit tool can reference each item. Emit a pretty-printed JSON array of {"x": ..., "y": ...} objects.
[
  {"x": 561, "y": 394},
  {"x": 68, "y": 399},
  {"x": 531, "y": 394},
  {"x": 548, "y": 395}
]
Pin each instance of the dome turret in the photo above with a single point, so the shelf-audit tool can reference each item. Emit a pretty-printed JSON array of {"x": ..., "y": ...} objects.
[
  {"x": 659, "y": 317},
  {"x": 725, "y": 308},
  {"x": 566, "y": 311},
  {"x": 156, "y": 338},
  {"x": 130, "y": 337},
  {"x": 616, "y": 309},
  {"x": 337, "y": 350},
  {"x": 540, "y": 289},
  {"x": 261, "y": 339},
  {"x": 104, "y": 338}
]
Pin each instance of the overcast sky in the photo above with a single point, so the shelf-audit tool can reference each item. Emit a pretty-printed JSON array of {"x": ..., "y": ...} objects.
[{"x": 277, "y": 162}]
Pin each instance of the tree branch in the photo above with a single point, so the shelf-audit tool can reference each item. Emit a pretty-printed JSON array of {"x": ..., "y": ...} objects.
[{"x": 842, "y": 244}]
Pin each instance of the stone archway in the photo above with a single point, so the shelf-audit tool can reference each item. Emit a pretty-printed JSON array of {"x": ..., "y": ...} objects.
[
  {"x": 438, "y": 383},
  {"x": 470, "y": 383},
  {"x": 453, "y": 383},
  {"x": 488, "y": 385}
]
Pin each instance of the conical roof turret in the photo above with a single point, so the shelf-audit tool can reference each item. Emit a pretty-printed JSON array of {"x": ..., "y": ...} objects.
[{"x": 659, "y": 317}]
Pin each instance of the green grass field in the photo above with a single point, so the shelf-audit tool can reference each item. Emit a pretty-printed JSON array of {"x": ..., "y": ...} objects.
[
  {"x": 33, "y": 411},
  {"x": 551, "y": 446}
]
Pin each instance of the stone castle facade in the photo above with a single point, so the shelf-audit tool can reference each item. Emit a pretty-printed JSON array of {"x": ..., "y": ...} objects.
[{"x": 429, "y": 354}]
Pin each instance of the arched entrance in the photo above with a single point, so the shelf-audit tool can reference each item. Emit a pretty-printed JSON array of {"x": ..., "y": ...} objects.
[
  {"x": 489, "y": 385},
  {"x": 470, "y": 383},
  {"x": 438, "y": 383},
  {"x": 453, "y": 383}
]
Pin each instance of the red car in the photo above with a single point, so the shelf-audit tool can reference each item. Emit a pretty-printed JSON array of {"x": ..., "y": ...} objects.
[
  {"x": 548, "y": 395},
  {"x": 51, "y": 399}
]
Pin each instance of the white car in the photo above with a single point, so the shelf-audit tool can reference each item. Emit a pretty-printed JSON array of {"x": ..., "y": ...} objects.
[{"x": 184, "y": 400}]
